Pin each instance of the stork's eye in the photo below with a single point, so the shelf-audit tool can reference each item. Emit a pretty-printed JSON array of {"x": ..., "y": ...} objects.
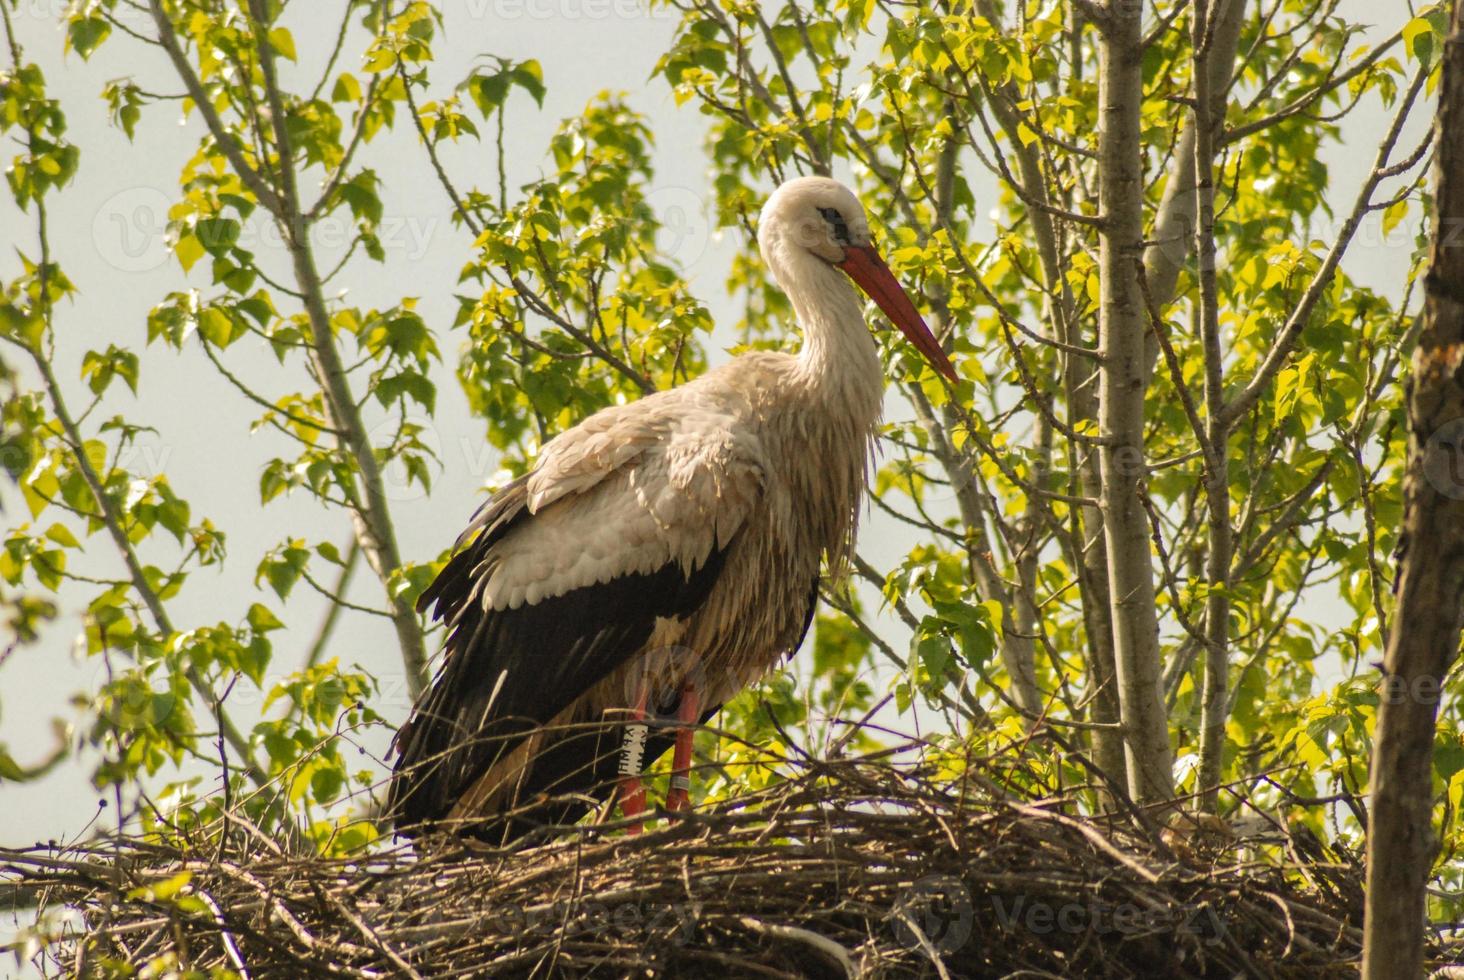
[{"x": 836, "y": 223}]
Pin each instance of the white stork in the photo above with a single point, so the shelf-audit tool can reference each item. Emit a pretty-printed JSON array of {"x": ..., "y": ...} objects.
[{"x": 659, "y": 557}]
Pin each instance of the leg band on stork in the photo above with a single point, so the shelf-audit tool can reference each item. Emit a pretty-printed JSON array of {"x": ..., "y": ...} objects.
[
  {"x": 632, "y": 756},
  {"x": 632, "y": 763}
]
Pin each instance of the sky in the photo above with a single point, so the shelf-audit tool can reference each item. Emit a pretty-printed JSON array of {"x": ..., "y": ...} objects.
[{"x": 107, "y": 232}]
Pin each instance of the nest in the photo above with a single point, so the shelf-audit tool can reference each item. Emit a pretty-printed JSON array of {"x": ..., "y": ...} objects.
[{"x": 858, "y": 868}]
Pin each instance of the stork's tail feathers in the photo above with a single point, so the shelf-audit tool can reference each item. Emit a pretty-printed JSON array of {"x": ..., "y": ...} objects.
[{"x": 573, "y": 772}]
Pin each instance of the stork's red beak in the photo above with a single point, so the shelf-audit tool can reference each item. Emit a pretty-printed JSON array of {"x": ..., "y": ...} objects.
[{"x": 867, "y": 268}]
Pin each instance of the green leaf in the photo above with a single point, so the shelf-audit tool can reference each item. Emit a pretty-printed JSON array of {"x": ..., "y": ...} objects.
[
  {"x": 189, "y": 250},
  {"x": 935, "y": 654},
  {"x": 283, "y": 42},
  {"x": 361, "y": 197},
  {"x": 346, "y": 89},
  {"x": 40, "y": 490},
  {"x": 100, "y": 368},
  {"x": 326, "y": 783},
  {"x": 10, "y": 770},
  {"x": 62, "y": 535},
  {"x": 378, "y": 58},
  {"x": 489, "y": 90},
  {"x": 283, "y": 566},
  {"x": 530, "y": 77},
  {"x": 215, "y": 326},
  {"x": 261, "y": 620},
  {"x": 407, "y": 384},
  {"x": 1418, "y": 40},
  {"x": 353, "y": 837},
  {"x": 163, "y": 891},
  {"x": 217, "y": 235},
  {"x": 1448, "y": 759},
  {"x": 85, "y": 34},
  {"x": 1393, "y": 215}
]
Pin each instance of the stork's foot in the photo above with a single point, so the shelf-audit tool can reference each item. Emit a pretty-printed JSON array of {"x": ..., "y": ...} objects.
[{"x": 678, "y": 797}]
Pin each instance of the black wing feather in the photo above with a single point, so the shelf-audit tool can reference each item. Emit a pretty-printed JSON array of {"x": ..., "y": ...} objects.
[
  {"x": 580, "y": 769},
  {"x": 507, "y": 672}
]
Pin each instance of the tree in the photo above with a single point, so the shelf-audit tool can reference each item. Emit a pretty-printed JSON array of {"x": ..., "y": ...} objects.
[
  {"x": 1425, "y": 637},
  {"x": 1168, "y": 472}
]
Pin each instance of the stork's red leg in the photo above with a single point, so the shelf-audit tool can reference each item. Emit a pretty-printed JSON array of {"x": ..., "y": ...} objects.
[
  {"x": 679, "y": 796},
  {"x": 632, "y": 760}
]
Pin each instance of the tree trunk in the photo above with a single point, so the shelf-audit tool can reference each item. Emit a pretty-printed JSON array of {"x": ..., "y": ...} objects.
[
  {"x": 1173, "y": 238},
  {"x": 1079, "y": 382},
  {"x": 1430, "y": 583},
  {"x": 1219, "y": 531},
  {"x": 1184, "y": 228},
  {"x": 1122, "y": 326}
]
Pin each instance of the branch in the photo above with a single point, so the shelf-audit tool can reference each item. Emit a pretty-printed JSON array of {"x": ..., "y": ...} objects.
[
  {"x": 538, "y": 305},
  {"x": 821, "y": 165},
  {"x": 1220, "y": 536},
  {"x": 1424, "y": 641},
  {"x": 112, "y": 521},
  {"x": 1172, "y": 237},
  {"x": 248, "y": 174},
  {"x": 372, "y": 518},
  {"x": 431, "y": 147},
  {"x": 820, "y": 944},
  {"x": 1305, "y": 102},
  {"x": 258, "y": 399},
  {"x": 317, "y": 209},
  {"x": 1093, "y": 13},
  {"x": 106, "y": 511},
  {"x": 1291, "y": 331}
]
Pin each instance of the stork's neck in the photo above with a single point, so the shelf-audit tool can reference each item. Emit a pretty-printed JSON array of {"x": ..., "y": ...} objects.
[{"x": 839, "y": 359}]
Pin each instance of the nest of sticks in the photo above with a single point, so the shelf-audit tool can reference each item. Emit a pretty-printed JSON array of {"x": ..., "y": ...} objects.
[{"x": 856, "y": 868}]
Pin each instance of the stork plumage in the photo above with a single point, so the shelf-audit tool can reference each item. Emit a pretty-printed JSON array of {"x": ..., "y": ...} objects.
[{"x": 659, "y": 557}]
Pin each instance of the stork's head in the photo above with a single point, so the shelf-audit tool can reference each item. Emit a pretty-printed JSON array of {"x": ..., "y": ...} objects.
[{"x": 820, "y": 217}]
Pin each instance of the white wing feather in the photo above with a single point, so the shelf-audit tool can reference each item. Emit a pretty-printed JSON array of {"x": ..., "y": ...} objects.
[{"x": 628, "y": 491}]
